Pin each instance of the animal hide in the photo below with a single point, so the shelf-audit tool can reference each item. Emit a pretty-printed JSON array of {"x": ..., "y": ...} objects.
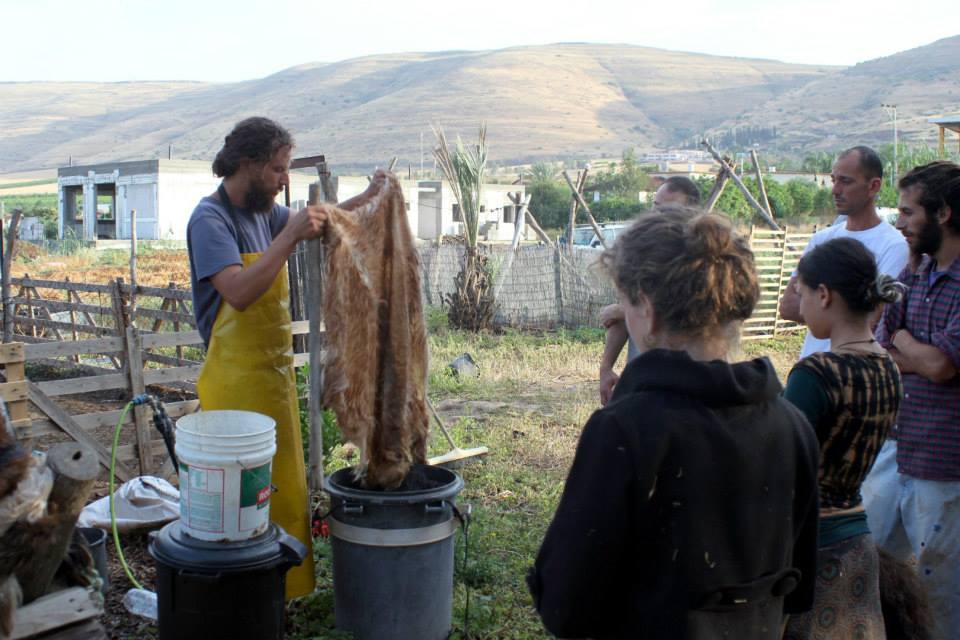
[{"x": 375, "y": 366}]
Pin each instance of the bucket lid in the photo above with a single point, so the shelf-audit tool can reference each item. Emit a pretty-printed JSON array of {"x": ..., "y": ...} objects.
[
  {"x": 423, "y": 483},
  {"x": 174, "y": 547},
  {"x": 226, "y": 423}
]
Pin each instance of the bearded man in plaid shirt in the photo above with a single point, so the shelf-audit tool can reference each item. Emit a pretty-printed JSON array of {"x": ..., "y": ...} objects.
[{"x": 912, "y": 495}]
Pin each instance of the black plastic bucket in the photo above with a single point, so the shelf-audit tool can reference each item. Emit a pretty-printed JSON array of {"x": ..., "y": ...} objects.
[
  {"x": 222, "y": 590},
  {"x": 393, "y": 555},
  {"x": 97, "y": 541}
]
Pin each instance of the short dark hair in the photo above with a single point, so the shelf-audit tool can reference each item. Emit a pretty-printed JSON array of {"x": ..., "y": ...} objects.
[
  {"x": 696, "y": 270},
  {"x": 870, "y": 162},
  {"x": 686, "y": 186},
  {"x": 846, "y": 267},
  {"x": 254, "y": 139},
  {"x": 939, "y": 184}
]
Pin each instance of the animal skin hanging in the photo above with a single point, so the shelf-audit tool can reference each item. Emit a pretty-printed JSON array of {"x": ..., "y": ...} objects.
[{"x": 375, "y": 362}]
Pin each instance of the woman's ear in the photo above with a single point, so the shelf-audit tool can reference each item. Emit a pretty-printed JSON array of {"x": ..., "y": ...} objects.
[
  {"x": 824, "y": 296},
  {"x": 648, "y": 313}
]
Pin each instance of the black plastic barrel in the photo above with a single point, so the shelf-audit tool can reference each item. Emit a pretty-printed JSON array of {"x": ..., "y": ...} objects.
[
  {"x": 393, "y": 555},
  {"x": 222, "y": 590}
]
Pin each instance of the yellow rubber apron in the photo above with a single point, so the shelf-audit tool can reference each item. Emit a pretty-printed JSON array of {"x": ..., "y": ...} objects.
[{"x": 249, "y": 367}]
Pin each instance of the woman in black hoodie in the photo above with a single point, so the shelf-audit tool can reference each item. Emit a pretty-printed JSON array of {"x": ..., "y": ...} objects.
[{"x": 690, "y": 510}]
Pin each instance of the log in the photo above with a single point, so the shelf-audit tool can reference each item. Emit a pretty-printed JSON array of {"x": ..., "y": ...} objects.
[
  {"x": 7, "y": 262},
  {"x": 583, "y": 203},
  {"x": 75, "y": 469},
  {"x": 764, "y": 200},
  {"x": 743, "y": 188},
  {"x": 718, "y": 186}
]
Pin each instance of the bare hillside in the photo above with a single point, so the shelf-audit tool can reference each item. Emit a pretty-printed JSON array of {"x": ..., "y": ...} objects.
[
  {"x": 844, "y": 107},
  {"x": 544, "y": 101}
]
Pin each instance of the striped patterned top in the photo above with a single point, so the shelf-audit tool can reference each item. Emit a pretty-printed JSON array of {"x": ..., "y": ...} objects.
[
  {"x": 928, "y": 430},
  {"x": 851, "y": 400}
]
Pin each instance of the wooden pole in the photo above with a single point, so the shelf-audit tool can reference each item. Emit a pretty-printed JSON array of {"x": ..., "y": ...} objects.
[
  {"x": 315, "y": 260},
  {"x": 517, "y": 232},
  {"x": 764, "y": 200},
  {"x": 7, "y": 262},
  {"x": 572, "y": 218},
  {"x": 718, "y": 186},
  {"x": 583, "y": 203},
  {"x": 133, "y": 266},
  {"x": 743, "y": 188}
]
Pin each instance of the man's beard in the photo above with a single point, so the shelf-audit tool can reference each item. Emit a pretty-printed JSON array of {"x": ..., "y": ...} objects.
[
  {"x": 258, "y": 198},
  {"x": 929, "y": 239}
]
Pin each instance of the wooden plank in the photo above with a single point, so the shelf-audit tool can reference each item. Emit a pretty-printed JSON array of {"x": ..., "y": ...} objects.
[
  {"x": 101, "y": 419},
  {"x": 55, "y": 610},
  {"x": 61, "y": 285},
  {"x": 11, "y": 352},
  {"x": 168, "y": 360},
  {"x": 137, "y": 387},
  {"x": 55, "y": 412},
  {"x": 54, "y": 324},
  {"x": 19, "y": 409},
  {"x": 300, "y": 327},
  {"x": 60, "y": 305},
  {"x": 84, "y": 384},
  {"x": 14, "y": 391},
  {"x": 160, "y": 292},
  {"x": 156, "y": 340},
  {"x": 171, "y": 374},
  {"x": 55, "y": 349},
  {"x": 129, "y": 451},
  {"x": 169, "y": 316}
]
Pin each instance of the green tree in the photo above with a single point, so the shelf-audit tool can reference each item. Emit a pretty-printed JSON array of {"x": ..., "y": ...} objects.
[
  {"x": 550, "y": 203},
  {"x": 823, "y": 204},
  {"x": 804, "y": 194}
]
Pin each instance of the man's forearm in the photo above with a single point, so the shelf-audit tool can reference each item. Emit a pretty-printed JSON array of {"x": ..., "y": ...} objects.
[
  {"x": 913, "y": 356},
  {"x": 790, "y": 303},
  {"x": 613, "y": 345},
  {"x": 242, "y": 287}
]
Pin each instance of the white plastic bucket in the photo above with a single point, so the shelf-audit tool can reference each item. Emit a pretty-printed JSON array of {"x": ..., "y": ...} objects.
[{"x": 225, "y": 463}]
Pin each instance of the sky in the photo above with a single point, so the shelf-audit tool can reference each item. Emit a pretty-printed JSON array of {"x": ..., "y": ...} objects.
[{"x": 220, "y": 41}]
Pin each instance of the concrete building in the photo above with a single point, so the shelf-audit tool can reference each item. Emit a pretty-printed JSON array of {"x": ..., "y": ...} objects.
[{"x": 165, "y": 192}]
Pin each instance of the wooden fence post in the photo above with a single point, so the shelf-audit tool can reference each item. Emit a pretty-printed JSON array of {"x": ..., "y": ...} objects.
[
  {"x": 7, "y": 263},
  {"x": 137, "y": 387},
  {"x": 133, "y": 265},
  {"x": 315, "y": 258}
]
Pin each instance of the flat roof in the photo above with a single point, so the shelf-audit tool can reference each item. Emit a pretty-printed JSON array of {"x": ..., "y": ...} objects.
[
  {"x": 949, "y": 122},
  {"x": 138, "y": 167}
]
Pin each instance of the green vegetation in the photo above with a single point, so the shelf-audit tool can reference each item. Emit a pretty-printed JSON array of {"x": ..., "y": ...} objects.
[
  {"x": 43, "y": 206},
  {"x": 533, "y": 395}
]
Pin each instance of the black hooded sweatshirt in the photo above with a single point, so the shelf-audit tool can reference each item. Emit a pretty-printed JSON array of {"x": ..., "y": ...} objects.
[{"x": 690, "y": 510}]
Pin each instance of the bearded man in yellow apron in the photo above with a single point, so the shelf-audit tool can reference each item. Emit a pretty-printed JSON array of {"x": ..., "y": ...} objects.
[{"x": 239, "y": 240}]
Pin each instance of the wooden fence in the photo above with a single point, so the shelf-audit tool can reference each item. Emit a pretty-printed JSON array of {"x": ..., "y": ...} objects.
[
  {"x": 136, "y": 344},
  {"x": 776, "y": 254}
]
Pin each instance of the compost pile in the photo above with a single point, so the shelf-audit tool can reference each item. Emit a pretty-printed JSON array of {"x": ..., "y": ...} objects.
[{"x": 375, "y": 362}]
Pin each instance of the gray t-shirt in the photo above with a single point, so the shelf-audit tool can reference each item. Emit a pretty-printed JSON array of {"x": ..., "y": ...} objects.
[{"x": 215, "y": 240}]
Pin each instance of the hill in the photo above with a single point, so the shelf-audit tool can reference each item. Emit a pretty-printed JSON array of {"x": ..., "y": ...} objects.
[
  {"x": 843, "y": 107},
  {"x": 544, "y": 101}
]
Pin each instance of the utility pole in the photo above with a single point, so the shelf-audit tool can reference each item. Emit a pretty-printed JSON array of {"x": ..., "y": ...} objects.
[
  {"x": 891, "y": 110},
  {"x": 421, "y": 156}
]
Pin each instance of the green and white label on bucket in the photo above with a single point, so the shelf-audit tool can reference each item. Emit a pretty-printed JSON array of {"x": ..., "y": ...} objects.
[
  {"x": 203, "y": 506},
  {"x": 254, "y": 495}
]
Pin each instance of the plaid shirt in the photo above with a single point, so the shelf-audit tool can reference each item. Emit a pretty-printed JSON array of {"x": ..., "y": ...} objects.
[{"x": 928, "y": 428}]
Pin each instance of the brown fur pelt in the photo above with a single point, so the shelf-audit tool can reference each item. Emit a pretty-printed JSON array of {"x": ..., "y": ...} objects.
[
  {"x": 375, "y": 363},
  {"x": 903, "y": 599}
]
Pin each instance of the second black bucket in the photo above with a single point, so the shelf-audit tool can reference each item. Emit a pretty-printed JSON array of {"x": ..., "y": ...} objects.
[{"x": 393, "y": 555}]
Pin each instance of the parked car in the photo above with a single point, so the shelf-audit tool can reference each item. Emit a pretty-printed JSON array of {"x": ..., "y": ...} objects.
[{"x": 585, "y": 236}]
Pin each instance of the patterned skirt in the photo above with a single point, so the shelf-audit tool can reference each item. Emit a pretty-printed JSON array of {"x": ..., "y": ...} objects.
[{"x": 847, "y": 601}]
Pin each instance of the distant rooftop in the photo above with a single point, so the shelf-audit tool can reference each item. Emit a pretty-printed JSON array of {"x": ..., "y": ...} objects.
[{"x": 948, "y": 122}]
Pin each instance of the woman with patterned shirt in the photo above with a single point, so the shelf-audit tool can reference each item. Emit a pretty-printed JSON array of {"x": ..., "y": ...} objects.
[{"x": 851, "y": 396}]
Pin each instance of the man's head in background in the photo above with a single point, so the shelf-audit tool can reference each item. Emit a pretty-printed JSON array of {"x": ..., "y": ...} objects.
[
  {"x": 857, "y": 177},
  {"x": 679, "y": 190},
  {"x": 929, "y": 206}
]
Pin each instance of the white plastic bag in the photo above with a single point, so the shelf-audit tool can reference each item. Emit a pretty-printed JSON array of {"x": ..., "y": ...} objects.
[{"x": 145, "y": 502}]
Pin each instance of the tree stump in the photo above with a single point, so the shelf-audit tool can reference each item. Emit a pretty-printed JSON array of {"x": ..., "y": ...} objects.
[{"x": 43, "y": 544}]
